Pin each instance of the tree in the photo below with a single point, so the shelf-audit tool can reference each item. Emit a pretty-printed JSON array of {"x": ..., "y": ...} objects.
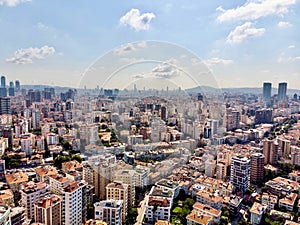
[{"x": 77, "y": 158}]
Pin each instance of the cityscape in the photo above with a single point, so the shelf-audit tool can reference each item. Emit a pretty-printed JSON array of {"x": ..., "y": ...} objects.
[{"x": 149, "y": 112}]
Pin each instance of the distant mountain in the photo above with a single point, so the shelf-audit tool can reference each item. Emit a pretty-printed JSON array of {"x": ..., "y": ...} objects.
[{"x": 244, "y": 90}]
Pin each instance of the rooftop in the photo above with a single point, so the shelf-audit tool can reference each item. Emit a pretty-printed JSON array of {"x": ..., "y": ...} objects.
[
  {"x": 202, "y": 207},
  {"x": 159, "y": 202},
  {"x": 74, "y": 186},
  {"x": 31, "y": 187},
  {"x": 257, "y": 208},
  {"x": 46, "y": 171},
  {"x": 199, "y": 218},
  {"x": 16, "y": 178},
  {"x": 48, "y": 201}
]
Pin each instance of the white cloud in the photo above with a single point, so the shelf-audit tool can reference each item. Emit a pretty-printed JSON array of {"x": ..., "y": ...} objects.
[
  {"x": 283, "y": 58},
  {"x": 165, "y": 70},
  {"x": 217, "y": 61},
  {"x": 136, "y": 20},
  {"x": 283, "y": 24},
  {"x": 12, "y": 3},
  {"x": 130, "y": 47},
  {"x": 27, "y": 55},
  {"x": 291, "y": 46},
  {"x": 243, "y": 32},
  {"x": 138, "y": 76},
  {"x": 42, "y": 26},
  {"x": 253, "y": 10}
]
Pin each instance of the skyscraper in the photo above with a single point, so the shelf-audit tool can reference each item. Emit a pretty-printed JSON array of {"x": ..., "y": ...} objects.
[
  {"x": 282, "y": 87},
  {"x": 267, "y": 88},
  {"x": 11, "y": 89},
  {"x": 240, "y": 173},
  {"x": 3, "y": 91},
  {"x": 17, "y": 84},
  {"x": 3, "y": 81}
]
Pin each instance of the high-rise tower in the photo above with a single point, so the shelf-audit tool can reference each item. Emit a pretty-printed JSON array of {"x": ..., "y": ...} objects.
[
  {"x": 282, "y": 88},
  {"x": 267, "y": 88}
]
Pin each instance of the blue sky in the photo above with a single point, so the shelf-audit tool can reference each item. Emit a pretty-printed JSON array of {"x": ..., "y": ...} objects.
[{"x": 243, "y": 43}]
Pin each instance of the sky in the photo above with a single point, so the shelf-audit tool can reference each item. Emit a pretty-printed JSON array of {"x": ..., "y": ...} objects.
[{"x": 72, "y": 43}]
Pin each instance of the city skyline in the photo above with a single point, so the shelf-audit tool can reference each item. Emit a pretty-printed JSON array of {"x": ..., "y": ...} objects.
[{"x": 238, "y": 46}]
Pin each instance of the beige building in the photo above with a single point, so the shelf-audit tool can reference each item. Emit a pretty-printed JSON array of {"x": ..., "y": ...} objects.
[
  {"x": 118, "y": 191},
  {"x": 48, "y": 210},
  {"x": 128, "y": 177},
  {"x": 221, "y": 170}
]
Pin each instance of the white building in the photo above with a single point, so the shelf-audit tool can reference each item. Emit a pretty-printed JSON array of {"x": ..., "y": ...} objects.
[
  {"x": 109, "y": 211},
  {"x": 74, "y": 203}
]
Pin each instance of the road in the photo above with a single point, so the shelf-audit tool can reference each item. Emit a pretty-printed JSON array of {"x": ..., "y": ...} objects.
[{"x": 141, "y": 211}]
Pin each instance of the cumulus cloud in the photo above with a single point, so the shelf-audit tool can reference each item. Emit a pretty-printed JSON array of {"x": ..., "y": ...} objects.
[
  {"x": 217, "y": 61},
  {"x": 27, "y": 55},
  {"x": 253, "y": 10},
  {"x": 12, "y": 3},
  {"x": 283, "y": 24},
  {"x": 243, "y": 32},
  {"x": 165, "y": 70},
  {"x": 130, "y": 47},
  {"x": 136, "y": 20}
]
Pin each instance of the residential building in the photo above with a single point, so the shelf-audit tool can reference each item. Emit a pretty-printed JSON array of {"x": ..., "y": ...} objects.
[
  {"x": 281, "y": 186},
  {"x": 128, "y": 177},
  {"x": 210, "y": 199},
  {"x": 240, "y": 173},
  {"x": 270, "y": 151},
  {"x": 118, "y": 191},
  {"x": 158, "y": 208},
  {"x": 269, "y": 200},
  {"x": 257, "y": 168},
  {"x": 32, "y": 192},
  {"x": 235, "y": 204},
  {"x": 74, "y": 203},
  {"x": 48, "y": 210},
  {"x": 257, "y": 210},
  {"x": 288, "y": 201},
  {"x": 17, "y": 216},
  {"x": 109, "y": 211},
  {"x": 43, "y": 173},
  {"x": 196, "y": 218},
  {"x": 15, "y": 180},
  {"x": 209, "y": 211},
  {"x": 221, "y": 170},
  {"x": 58, "y": 183}
]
